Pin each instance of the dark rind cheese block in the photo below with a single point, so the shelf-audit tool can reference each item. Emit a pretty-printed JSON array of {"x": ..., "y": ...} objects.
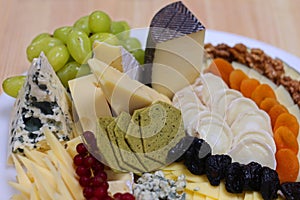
[
  {"x": 134, "y": 140},
  {"x": 104, "y": 144},
  {"x": 161, "y": 128},
  {"x": 127, "y": 155},
  {"x": 174, "y": 49}
]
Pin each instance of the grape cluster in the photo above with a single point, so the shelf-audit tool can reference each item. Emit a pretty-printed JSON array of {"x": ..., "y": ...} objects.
[
  {"x": 69, "y": 47},
  {"x": 93, "y": 178}
]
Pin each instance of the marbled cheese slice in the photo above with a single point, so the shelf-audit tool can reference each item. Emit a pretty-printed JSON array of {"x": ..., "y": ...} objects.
[{"x": 42, "y": 103}]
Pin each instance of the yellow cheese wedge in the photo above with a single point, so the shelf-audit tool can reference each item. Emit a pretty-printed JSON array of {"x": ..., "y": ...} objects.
[
  {"x": 89, "y": 101},
  {"x": 123, "y": 93}
]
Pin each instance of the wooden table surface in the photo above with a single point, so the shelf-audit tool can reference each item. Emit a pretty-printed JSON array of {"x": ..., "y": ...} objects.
[{"x": 272, "y": 21}]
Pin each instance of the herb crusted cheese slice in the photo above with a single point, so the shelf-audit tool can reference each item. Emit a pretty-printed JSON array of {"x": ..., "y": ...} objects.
[{"x": 42, "y": 103}]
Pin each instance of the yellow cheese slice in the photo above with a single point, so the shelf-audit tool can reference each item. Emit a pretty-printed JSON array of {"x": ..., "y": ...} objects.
[
  {"x": 89, "y": 101},
  {"x": 204, "y": 189},
  {"x": 123, "y": 93}
]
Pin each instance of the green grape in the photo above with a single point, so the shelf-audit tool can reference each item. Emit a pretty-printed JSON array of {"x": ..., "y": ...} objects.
[
  {"x": 105, "y": 37},
  {"x": 139, "y": 55},
  {"x": 58, "y": 57},
  {"x": 40, "y": 36},
  {"x": 83, "y": 24},
  {"x": 121, "y": 29},
  {"x": 99, "y": 22},
  {"x": 132, "y": 44},
  {"x": 44, "y": 44},
  {"x": 72, "y": 70},
  {"x": 62, "y": 33},
  {"x": 12, "y": 85},
  {"x": 79, "y": 46}
]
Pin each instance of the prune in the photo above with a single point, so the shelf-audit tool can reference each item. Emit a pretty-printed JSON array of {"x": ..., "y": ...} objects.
[
  {"x": 234, "y": 178},
  {"x": 215, "y": 167},
  {"x": 269, "y": 183},
  {"x": 196, "y": 156},
  {"x": 177, "y": 153},
  {"x": 291, "y": 190},
  {"x": 252, "y": 176}
]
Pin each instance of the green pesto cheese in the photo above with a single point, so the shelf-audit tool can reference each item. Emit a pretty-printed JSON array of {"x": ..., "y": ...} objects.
[
  {"x": 134, "y": 140},
  {"x": 104, "y": 143},
  {"x": 161, "y": 129},
  {"x": 128, "y": 158}
]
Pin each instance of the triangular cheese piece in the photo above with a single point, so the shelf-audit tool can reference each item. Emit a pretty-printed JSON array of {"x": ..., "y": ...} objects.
[
  {"x": 174, "y": 49},
  {"x": 117, "y": 57},
  {"x": 123, "y": 93},
  {"x": 42, "y": 103}
]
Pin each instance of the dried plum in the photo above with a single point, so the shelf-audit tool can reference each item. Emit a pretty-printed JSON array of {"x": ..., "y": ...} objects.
[
  {"x": 215, "y": 167},
  {"x": 269, "y": 183},
  {"x": 291, "y": 190},
  {"x": 252, "y": 176},
  {"x": 196, "y": 156},
  {"x": 177, "y": 153},
  {"x": 234, "y": 178}
]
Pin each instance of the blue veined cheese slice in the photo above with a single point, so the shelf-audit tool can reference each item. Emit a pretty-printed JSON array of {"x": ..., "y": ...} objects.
[
  {"x": 174, "y": 49},
  {"x": 42, "y": 102}
]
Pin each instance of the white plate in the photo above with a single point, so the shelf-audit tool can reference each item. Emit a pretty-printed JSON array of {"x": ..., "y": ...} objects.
[{"x": 214, "y": 37}]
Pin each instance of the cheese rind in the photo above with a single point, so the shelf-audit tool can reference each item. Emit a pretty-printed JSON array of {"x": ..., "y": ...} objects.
[
  {"x": 42, "y": 103},
  {"x": 173, "y": 32}
]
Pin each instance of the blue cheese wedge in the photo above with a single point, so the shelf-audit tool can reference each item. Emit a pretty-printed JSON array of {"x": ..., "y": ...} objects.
[
  {"x": 174, "y": 49},
  {"x": 42, "y": 103}
]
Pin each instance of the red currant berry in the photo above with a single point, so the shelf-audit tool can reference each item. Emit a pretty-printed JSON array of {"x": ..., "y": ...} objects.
[
  {"x": 127, "y": 196},
  {"x": 96, "y": 181},
  {"x": 83, "y": 171},
  {"x": 118, "y": 196},
  {"x": 108, "y": 198},
  {"x": 81, "y": 149},
  {"x": 89, "y": 161},
  {"x": 84, "y": 181},
  {"x": 88, "y": 192},
  {"x": 94, "y": 198},
  {"x": 102, "y": 175},
  {"x": 98, "y": 167},
  {"x": 100, "y": 192},
  {"x": 78, "y": 160},
  {"x": 105, "y": 185}
]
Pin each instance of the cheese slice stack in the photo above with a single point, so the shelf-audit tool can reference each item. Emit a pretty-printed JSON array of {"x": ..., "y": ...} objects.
[
  {"x": 174, "y": 49},
  {"x": 123, "y": 93},
  {"x": 42, "y": 103}
]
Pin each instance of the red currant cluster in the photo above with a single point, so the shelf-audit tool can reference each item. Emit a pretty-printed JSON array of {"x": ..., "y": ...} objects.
[{"x": 93, "y": 178}]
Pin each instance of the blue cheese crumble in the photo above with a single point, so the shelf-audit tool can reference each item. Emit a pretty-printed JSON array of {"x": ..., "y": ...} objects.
[{"x": 157, "y": 187}]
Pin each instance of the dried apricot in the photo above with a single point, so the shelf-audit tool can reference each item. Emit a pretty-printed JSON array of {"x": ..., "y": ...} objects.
[
  {"x": 268, "y": 103},
  {"x": 275, "y": 111},
  {"x": 222, "y": 68},
  {"x": 285, "y": 138},
  {"x": 248, "y": 86},
  {"x": 261, "y": 92},
  {"x": 288, "y": 120},
  {"x": 287, "y": 165},
  {"x": 235, "y": 79}
]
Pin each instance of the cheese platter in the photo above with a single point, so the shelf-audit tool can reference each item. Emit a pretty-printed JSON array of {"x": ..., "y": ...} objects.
[{"x": 234, "y": 133}]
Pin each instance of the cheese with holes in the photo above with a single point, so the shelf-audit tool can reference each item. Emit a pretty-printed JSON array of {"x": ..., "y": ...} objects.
[
  {"x": 89, "y": 101},
  {"x": 122, "y": 92},
  {"x": 174, "y": 49},
  {"x": 42, "y": 103}
]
